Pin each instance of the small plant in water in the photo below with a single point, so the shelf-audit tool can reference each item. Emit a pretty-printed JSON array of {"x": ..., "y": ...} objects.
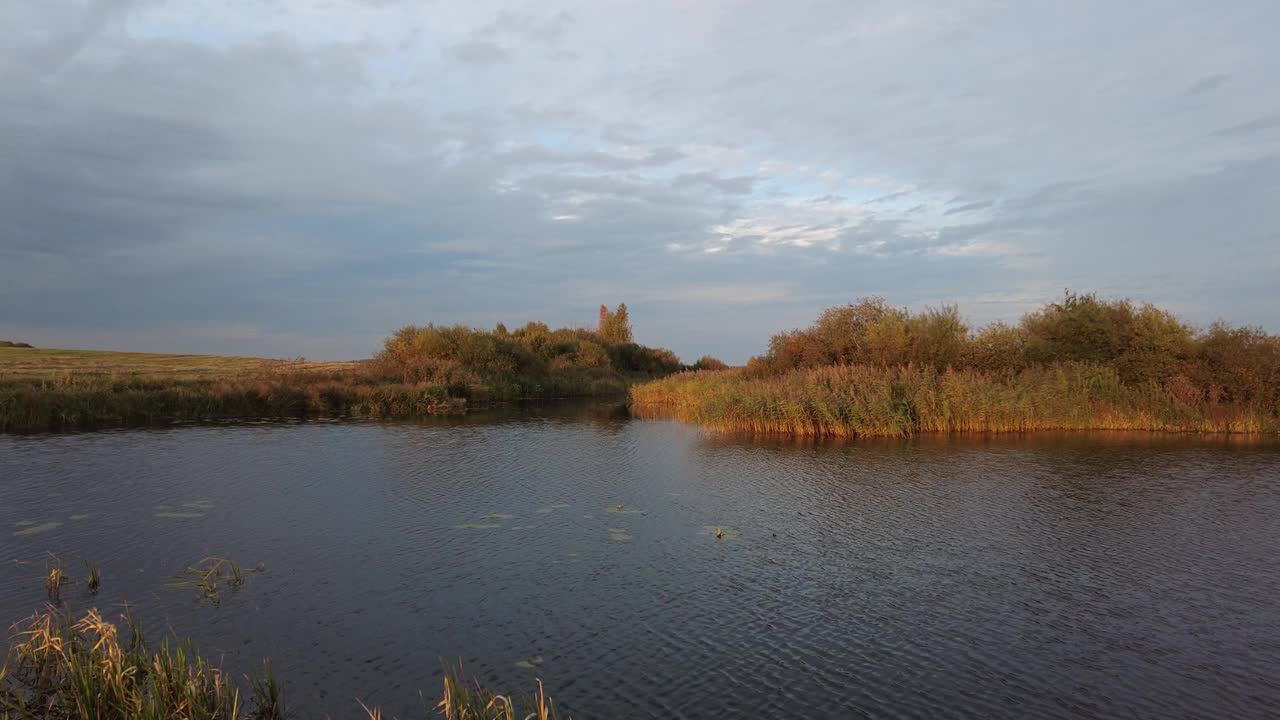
[
  {"x": 267, "y": 695},
  {"x": 473, "y": 702},
  {"x": 205, "y": 576},
  {"x": 93, "y": 579},
  {"x": 54, "y": 579}
]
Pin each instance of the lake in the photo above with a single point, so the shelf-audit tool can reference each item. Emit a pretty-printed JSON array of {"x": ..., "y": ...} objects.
[{"x": 1045, "y": 576}]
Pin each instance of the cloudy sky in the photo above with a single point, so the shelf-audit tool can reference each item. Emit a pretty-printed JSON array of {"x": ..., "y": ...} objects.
[{"x": 300, "y": 178}]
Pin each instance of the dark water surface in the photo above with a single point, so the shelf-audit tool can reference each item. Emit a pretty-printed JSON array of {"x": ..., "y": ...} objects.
[{"x": 1054, "y": 577}]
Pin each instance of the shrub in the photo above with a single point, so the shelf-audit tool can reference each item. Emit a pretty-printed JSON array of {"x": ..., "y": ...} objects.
[{"x": 706, "y": 362}]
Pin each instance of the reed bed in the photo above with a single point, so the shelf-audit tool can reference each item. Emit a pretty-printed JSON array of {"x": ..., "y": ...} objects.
[
  {"x": 102, "y": 401},
  {"x": 59, "y": 668},
  {"x": 860, "y": 400}
]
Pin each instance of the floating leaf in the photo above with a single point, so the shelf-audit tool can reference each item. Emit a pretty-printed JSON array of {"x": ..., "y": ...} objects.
[
  {"x": 37, "y": 529},
  {"x": 531, "y": 663}
]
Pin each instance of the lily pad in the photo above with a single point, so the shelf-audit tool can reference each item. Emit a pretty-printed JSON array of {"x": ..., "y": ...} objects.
[
  {"x": 39, "y": 528},
  {"x": 478, "y": 526},
  {"x": 80, "y": 516},
  {"x": 619, "y": 537},
  {"x": 531, "y": 663}
]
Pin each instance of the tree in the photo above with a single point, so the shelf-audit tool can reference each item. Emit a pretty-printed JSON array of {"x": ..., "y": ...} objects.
[{"x": 615, "y": 327}]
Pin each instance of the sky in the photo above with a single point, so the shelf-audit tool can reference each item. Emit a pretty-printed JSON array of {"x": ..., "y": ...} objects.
[{"x": 298, "y": 178}]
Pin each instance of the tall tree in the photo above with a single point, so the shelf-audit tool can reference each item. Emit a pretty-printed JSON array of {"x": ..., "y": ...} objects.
[{"x": 615, "y": 327}]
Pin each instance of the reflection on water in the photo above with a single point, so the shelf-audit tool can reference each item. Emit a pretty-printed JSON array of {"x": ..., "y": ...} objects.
[{"x": 644, "y": 568}]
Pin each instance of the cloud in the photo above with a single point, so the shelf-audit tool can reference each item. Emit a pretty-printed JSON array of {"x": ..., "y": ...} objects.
[
  {"x": 740, "y": 185},
  {"x": 1208, "y": 83},
  {"x": 479, "y": 52},
  {"x": 301, "y": 178},
  {"x": 969, "y": 207}
]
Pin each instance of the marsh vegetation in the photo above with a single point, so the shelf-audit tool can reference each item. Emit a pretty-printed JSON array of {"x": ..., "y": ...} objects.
[
  {"x": 1080, "y": 363},
  {"x": 420, "y": 371},
  {"x": 60, "y": 667}
]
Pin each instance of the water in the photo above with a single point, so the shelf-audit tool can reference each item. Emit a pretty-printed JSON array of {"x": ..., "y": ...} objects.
[{"x": 1051, "y": 577}]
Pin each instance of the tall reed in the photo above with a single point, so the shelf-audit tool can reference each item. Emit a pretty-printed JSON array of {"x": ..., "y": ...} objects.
[{"x": 855, "y": 400}]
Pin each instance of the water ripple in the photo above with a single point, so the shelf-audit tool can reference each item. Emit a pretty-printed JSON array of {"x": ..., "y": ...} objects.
[{"x": 1082, "y": 576}]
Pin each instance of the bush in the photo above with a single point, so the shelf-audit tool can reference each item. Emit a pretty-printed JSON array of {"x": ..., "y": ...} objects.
[
  {"x": 706, "y": 362},
  {"x": 528, "y": 362}
]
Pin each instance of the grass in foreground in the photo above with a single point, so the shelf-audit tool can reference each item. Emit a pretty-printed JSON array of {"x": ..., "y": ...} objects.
[
  {"x": 59, "y": 668},
  {"x": 854, "y": 400}
]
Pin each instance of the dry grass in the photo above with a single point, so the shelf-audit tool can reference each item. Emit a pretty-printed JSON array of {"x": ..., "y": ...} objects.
[
  {"x": 473, "y": 702},
  {"x": 42, "y": 364},
  {"x": 52, "y": 390},
  {"x": 851, "y": 400},
  {"x": 54, "y": 579},
  {"x": 43, "y": 390},
  {"x": 58, "y": 668}
]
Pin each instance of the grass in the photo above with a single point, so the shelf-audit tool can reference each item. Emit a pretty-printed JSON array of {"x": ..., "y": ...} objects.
[
  {"x": 59, "y": 668},
  {"x": 54, "y": 579},
  {"x": 62, "y": 668},
  {"x": 463, "y": 701},
  {"x": 853, "y": 400},
  {"x": 206, "y": 576},
  {"x": 43, "y": 390},
  {"x": 53, "y": 390},
  {"x": 46, "y": 364},
  {"x": 93, "y": 576}
]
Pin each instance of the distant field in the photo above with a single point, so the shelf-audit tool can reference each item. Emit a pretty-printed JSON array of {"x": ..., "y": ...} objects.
[{"x": 26, "y": 363}]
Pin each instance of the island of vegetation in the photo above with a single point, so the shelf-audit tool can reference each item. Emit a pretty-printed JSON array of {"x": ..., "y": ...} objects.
[
  {"x": 420, "y": 371},
  {"x": 1081, "y": 363}
]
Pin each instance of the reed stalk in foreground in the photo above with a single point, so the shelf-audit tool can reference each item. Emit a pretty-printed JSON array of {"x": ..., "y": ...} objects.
[{"x": 58, "y": 668}]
